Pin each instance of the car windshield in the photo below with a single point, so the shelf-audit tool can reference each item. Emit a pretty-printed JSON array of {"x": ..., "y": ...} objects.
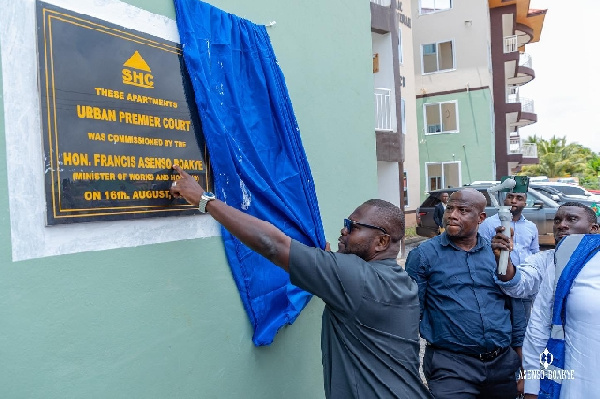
[
  {"x": 546, "y": 189},
  {"x": 571, "y": 190},
  {"x": 533, "y": 196}
]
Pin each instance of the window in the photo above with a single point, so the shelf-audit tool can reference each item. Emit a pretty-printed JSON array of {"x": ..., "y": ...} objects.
[
  {"x": 431, "y": 6},
  {"x": 403, "y": 114},
  {"x": 438, "y": 57},
  {"x": 435, "y": 182},
  {"x": 400, "y": 53},
  {"x": 441, "y": 117},
  {"x": 442, "y": 175}
]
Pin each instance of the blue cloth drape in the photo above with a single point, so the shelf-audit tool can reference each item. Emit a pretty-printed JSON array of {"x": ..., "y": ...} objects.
[{"x": 258, "y": 162}]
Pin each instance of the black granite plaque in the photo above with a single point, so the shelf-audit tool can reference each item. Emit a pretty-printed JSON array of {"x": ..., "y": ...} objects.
[{"x": 117, "y": 113}]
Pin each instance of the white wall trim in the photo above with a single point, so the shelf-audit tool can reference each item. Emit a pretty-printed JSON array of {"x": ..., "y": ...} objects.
[{"x": 30, "y": 238}]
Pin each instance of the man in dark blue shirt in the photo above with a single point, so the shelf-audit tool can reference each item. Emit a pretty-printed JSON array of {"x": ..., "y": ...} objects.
[
  {"x": 464, "y": 315},
  {"x": 438, "y": 212}
]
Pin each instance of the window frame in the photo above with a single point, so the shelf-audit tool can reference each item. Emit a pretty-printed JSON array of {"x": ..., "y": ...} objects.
[
  {"x": 437, "y": 59},
  {"x": 435, "y": 11},
  {"x": 400, "y": 48},
  {"x": 439, "y": 103},
  {"x": 403, "y": 115},
  {"x": 441, "y": 179}
]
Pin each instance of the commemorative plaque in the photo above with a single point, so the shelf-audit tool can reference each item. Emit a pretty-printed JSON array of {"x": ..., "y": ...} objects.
[{"x": 117, "y": 112}]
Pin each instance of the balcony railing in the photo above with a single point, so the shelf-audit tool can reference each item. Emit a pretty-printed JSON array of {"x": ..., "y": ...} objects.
[
  {"x": 526, "y": 103},
  {"x": 525, "y": 60},
  {"x": 510, "y": 44},
  {"x": 514, "y": 145},
  {"x": 383, "y": 109},
  {"x": 529, "y": 150},
  {"x": 385, "y": 3}
]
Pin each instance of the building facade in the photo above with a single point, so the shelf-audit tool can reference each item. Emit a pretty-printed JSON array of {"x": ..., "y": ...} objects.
[
  {"x": 453, "y": 82},
  {"x": 148, "y": 308},
  {"x": 395, "y": 125},
  {"x": 467, "y": 74},
  {"x": 513, "y": 26}
]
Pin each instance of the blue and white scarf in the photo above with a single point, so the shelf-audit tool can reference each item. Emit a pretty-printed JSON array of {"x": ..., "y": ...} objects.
[{"x": 587, "y": 248}]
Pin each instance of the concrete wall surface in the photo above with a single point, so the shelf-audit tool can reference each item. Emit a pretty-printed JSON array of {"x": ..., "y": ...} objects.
[{"x": 148, "y": 309}]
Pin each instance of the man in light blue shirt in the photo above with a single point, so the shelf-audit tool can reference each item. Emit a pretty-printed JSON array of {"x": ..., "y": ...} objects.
[
  {"x": 525, "y": 240},
  {"x": 525, "y": 243}
]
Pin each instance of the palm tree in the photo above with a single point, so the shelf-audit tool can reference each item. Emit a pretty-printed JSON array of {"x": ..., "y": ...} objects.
[{"x": 557, "y": 158}]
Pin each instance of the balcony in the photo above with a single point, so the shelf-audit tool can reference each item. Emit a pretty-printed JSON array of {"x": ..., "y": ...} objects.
[
  {"x": 529, "y": 150},
  {"x": 522, "y": 113},
  {"x": 527, "y": 105},
  {"x": 383, "y": 110},
  {"x": 513, "y": 97},
  {"x": 521, "y": 153},
  {"x": 525, "y": 60},
  {"x": 523, "y": 73}
]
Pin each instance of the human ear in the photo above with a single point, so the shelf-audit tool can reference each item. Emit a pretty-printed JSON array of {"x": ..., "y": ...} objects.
[{"x": 383, "y": 242}]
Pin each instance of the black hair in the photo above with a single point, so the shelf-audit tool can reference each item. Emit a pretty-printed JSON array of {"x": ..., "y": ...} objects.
[
  {"x": 591, "y": 215},
  {"x": 391, "y": 218}
]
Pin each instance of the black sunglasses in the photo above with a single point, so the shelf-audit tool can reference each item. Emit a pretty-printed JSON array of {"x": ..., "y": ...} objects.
[{"x": 348, "y": 224}]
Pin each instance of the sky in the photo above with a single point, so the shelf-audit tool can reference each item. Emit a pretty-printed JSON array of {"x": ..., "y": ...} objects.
[{"x": 567, "y": 83}]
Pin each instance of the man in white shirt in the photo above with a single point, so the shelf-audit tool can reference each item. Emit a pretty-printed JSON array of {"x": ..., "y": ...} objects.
[{"x": 539, "y": 269}]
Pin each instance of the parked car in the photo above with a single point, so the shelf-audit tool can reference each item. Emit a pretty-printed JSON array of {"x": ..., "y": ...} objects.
[
  {"x": 568, "y": 180},
  {"x": 538, "y": 178},
  {"x": 561, "y": 198},
  {"x": 571, "y": 190},
  {"x": 539, "y": 209}
]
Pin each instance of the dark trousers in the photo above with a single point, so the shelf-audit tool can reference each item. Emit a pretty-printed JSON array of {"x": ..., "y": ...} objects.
[{"x": 452, "y": 375}]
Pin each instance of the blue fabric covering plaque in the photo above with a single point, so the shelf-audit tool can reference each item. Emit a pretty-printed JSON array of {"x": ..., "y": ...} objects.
[{"x": 256, "y": 154}]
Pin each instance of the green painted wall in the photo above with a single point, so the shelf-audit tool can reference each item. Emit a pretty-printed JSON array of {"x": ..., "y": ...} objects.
[
  {"x": 473, "y": 146},
  {"x": 165, "y": 320}
]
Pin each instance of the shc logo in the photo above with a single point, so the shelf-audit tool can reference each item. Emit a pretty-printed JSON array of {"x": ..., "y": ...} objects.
[
  {"x": 546, "y": 358},
  {"x": 137, "y": 72}
]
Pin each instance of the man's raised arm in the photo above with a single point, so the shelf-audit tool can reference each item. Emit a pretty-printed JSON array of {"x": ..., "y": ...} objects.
[{"x": 258, "y": 235}]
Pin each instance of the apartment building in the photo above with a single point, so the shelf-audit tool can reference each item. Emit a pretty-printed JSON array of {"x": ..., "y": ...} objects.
[
  {"x": 398, "y": 169},
  {"x": 469, "y": 63},
  {"x": 513, "y": 25},
  {"x": 454, "y": 86}
]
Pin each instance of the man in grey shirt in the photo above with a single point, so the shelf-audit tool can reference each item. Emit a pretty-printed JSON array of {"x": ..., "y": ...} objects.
[{"x": 369, "y": 338}]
